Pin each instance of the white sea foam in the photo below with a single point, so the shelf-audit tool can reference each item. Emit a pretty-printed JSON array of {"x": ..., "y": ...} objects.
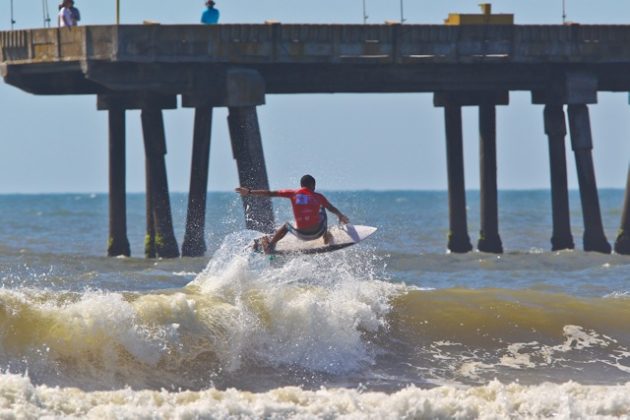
[
  {"x": 184, "y": 273},
  {"x": 311, "y": 312},
  {"x": 618, "y": 295},
  {"x": 20, "y": 398},
  {"x": 579, "y": 349},
  {"x": 516, "y": 358},
  {"x": 314, "y": 313},
  {"x": 577, "y": 338},
  {"x": 86, "y": 337}
]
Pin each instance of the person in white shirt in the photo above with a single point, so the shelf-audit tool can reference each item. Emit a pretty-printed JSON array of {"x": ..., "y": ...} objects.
[{"x": 65, "y": 16}]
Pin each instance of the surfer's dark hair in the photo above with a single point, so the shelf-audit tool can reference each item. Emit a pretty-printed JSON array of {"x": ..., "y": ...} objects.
[{"x": 308, "y": 182}]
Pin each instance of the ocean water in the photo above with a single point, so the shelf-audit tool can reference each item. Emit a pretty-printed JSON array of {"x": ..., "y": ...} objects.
[{"x": 392, "y": 328}]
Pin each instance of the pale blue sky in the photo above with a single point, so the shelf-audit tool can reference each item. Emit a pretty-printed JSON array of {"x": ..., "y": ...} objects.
[{"x": 375, "y": 141}]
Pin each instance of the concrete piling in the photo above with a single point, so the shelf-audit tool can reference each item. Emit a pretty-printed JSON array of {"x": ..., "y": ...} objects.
[
  {"x": 489, "y": 239},
  {"x": 452, "y": 102},
  {"x": 622, "y": 244},
  {"x": 556, "y": 130},
  {"x": 581, "y": 141},
  {"x": 150, "y": 250},
  {"x": 241, "y": 90},
  {"x": 458, "y": 239},
  {"x": 118, "y": 244},
  {"x": 157, "y": 183},
  {"x": 194, "y": 244},
  {"x": 250, "y": 161}
]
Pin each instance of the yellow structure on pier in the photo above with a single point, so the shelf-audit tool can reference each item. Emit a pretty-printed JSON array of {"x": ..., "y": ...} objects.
[{"x": 486, "y": 18}]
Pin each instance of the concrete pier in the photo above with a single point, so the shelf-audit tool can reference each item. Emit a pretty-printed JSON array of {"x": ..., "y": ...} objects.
[
  {"x": 150, "y": 250},
  {"x": 194, "y": 244},
  {"x": 236, "y": 65},
  {"x": 458, "y": 239},
  {"x": 489, "y": 239},
  {"x": 157, "y": 183},
  {"x": 115, "y": 105},
  {"x": 118, "y": 244},
  {"x": 250, "y": 161},
  {"x": 580, "y": 127},
  {"x": 556, "y": 130},
  {"x": 622, "y": 244}
]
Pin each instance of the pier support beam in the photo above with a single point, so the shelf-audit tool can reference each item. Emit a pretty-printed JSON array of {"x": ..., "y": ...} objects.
[
  {"x": 117, "y": 243},
  {"x": 582, "y": 144},
  {"x": 194, "y": 244},
  {"x": 576, "y": 89},
  {"x": 489, "y": 240},
  {"x": 458, "y": 239},
  {"x": 556, "y": 130},
  {"x": 240, "y": 90},
  {"x": 157, "y": 183},
  {"x": 250, "y": 161},
  {"x": 622, "y": 244},
  {"x": 160, "y": 239},
  {"x": 244, "y": 90},
  {"x": 150, "y": 250}
]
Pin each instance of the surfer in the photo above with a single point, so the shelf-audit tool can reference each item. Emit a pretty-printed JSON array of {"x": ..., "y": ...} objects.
[{"x": 309, "y": 210}]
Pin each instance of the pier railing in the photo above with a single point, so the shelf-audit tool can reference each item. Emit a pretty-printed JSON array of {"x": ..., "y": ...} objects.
[{"x": 277, "y": 43}]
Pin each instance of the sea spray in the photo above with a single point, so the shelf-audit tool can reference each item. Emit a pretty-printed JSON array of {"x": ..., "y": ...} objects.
[
  {"x": 302, "y": 316},
  {"x": 306, "y": 311}
]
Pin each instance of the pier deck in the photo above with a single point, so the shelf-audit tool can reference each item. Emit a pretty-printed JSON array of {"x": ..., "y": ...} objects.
[{"x": 181, "y": 59}]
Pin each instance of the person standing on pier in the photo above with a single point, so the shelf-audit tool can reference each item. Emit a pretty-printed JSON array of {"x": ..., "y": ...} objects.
[
  {"x": 309, "y": 209},
  {"x": 211, "y": 15},
  {"x": 66, "y": 15},
  {"x": 76, "y": 15}
]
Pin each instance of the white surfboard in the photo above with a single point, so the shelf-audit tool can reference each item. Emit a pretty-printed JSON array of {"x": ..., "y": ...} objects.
[{"x": 342, "y": 236}]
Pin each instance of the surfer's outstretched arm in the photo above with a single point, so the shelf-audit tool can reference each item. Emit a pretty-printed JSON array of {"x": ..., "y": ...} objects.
[
  {"x": 262, "y": 193},
  {"x": 342, "y": 217}
]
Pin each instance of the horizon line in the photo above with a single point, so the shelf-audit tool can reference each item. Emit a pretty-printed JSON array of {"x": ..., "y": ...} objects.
[{"x": 376, "y": 190}]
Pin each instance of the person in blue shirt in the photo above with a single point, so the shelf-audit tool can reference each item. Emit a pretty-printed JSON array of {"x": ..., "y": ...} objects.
[{"x": 211, "y": 15}]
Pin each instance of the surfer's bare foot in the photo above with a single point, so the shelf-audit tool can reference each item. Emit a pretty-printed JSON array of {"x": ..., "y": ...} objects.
[{"x": 327, "y": 238}]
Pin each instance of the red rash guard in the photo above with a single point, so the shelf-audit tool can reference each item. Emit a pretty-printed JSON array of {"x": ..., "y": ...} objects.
[{"x": 306, "y": 206}]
